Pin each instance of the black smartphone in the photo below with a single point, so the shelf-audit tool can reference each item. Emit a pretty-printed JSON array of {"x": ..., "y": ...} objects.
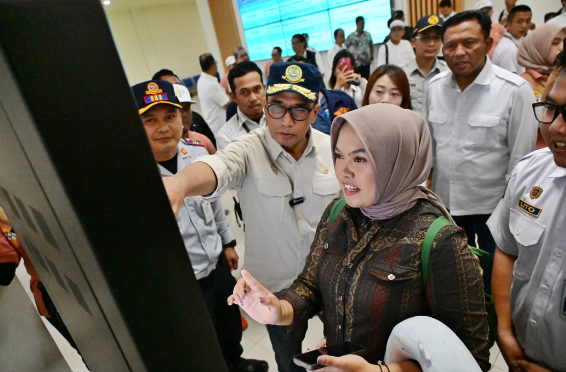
[
  {"x": 355, "y": 82},
  {"x": 308, "y": 360}
]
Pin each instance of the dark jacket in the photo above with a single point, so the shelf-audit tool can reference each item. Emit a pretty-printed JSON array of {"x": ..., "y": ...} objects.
[
  {"x": 366, "y": 276},
  {"x": 334, "y": 103}
]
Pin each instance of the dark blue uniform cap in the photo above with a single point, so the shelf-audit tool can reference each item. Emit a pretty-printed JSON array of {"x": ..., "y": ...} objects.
[
  {"x": 427, "y": 22},
  {"x": 301, "y": 78},
  {"x": 154, "y": 92}
]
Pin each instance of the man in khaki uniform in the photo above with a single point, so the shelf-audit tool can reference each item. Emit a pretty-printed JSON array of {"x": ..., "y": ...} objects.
[{"x": 285, "y": 179}]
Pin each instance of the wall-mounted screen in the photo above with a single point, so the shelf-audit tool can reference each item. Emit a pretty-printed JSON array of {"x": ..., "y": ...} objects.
[{"x": 271, "y": 23}]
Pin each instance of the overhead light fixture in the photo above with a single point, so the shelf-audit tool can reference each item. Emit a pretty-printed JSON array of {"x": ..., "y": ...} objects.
[{"x": 106, "y": 2}]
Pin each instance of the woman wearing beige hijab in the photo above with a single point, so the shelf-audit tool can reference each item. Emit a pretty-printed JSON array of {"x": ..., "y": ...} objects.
[
  {"x": 364, "y": 269},
  {"x": 537, "y": 53}
]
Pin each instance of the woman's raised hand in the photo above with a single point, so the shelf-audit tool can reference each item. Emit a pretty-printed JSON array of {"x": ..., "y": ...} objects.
[
  {"x": 344, "y": 77},
  {"x": 257, "y": 301}
]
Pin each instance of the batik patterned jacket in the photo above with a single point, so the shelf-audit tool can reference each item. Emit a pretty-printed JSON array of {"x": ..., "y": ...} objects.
[{"x": 366, "y": 276}]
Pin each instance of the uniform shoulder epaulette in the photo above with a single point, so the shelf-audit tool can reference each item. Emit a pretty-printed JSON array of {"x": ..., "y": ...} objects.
[
  {"x": 440, "y": 76},
  {"x": 509, "y": 76},
  {"x": 192, "y": 142},
  {"x": 544, "y": 150}
]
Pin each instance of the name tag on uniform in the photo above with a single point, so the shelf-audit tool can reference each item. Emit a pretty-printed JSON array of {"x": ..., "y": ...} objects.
[
  {"x": 208, "y": 213},
  {"x": 530, "y": 209}
]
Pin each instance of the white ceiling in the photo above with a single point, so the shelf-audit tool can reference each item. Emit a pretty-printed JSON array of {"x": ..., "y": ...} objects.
[{"x": 130, "y": 4}]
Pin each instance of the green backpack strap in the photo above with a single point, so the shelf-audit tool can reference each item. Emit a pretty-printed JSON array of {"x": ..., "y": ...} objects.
[
  {"x": 431, "y": 233},
  {"x": 483, "y": 256},
  {"x": 335, "y": 211}
]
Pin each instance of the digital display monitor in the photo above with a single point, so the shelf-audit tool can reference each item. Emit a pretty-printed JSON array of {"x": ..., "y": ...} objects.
[
  {"x": 316, "y": 25},
  {"x": 271, "y": 23},
  {"x": 375, "y": 13}
]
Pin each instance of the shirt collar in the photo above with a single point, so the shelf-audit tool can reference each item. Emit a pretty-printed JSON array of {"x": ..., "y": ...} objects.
[
  {"x": 558, "y": 172},
  {"x": 413, "y": 66},
  {"x": 305, "y": 53},
  {"x": 276, "y": 149},
  {"x": 242, "y": 118},
  {"x": 484, "y": 77},
  {"x": 517, "y": 42},
  {"x": 537, "y": 75},
  {"x": 207, "y": 76}
]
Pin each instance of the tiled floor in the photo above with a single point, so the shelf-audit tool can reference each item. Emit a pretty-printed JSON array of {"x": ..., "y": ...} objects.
[{"x": 255, "y": 339}]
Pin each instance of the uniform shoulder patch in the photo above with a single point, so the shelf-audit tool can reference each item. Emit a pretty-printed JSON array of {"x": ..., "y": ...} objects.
[
  {"x": 509, "y": 76},
  {"x": 192, "y": 142}
]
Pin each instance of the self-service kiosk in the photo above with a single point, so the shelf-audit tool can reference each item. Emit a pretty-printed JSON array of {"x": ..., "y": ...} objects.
[{"x": 82, "y": 190}]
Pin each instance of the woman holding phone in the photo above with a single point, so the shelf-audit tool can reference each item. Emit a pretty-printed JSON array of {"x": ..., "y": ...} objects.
[
  {"x": 345, "y": 77},
  {"x": 364, "y": 267}
]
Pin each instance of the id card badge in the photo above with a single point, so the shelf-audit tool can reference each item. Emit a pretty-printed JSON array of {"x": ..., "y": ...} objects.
[
  {"x": 563, "y": 307},
  {"x": 208, "y": 212}
]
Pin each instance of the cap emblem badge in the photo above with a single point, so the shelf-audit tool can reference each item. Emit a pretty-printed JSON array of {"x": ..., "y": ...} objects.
[
  {"x": 433, "y": 20},
  {"x": 293, "y": 74},
  {"x": 153, "y": 88}
]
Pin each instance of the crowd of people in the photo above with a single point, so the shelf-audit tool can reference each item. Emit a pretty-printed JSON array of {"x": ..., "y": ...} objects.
[{"x": 462, "y": 121}]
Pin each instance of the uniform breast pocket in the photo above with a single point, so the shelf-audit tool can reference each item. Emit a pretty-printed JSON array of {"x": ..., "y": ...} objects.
[
  {"x": 440, "y": 131},
  {"x": 392, "y": 273},
  {"x": 325, "y": 189},
  {"x": 273, "y": 194},
  {"x": 528, "y": 234},
  {"x": 482, "y": 130}
]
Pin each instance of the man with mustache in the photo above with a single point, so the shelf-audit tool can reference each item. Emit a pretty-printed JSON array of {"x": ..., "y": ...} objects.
[
  {"x": 202, "y": 224},
  {"x": 481, "y": 123},
  {"x": 284, "y": 177},
  {"x": 248, "y": 91}
]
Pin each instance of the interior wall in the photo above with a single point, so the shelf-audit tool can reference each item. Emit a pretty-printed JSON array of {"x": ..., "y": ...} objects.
[
  {"x": 225, "y": 25},
  {"x": 539, "y": 8},
  {"x": 154, "y": 37}
]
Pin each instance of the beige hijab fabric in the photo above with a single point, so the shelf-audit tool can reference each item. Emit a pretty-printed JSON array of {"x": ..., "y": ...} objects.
[
  {"x": 398, "y": 144},
  {"x": 534, "y": 49}
]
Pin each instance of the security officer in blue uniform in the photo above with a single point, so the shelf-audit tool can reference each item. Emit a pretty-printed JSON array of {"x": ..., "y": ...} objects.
[{"x": 203, "y": 225}]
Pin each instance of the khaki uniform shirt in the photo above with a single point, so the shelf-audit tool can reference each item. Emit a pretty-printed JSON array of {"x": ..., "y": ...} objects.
[
  {"x": 418, "y": 82},
  {"x": 266, "y": 177},
  {"x": 529, "y": 224}
]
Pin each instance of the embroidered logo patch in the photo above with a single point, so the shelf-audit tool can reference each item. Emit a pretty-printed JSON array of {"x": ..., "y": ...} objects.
[
  {"x": 153, "y": 88},
  {"x": 293, "y": 74},
  {"x": 155, "y": 98},
  {"x": 536, "y": 192},
  {"x": 193, "y": 142},
  {"x": 432, "y": 20},
  {"x": 530, "y": 209},
  {"x": 342, "y": 110}
]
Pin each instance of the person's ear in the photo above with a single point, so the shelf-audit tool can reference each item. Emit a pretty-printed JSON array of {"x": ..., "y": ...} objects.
[
  {"x": 413, "y": 42},
  {"x": 232, "y": 96},
  {"x": 315, "y": 112},
  {"x": 489, "y": 43}
]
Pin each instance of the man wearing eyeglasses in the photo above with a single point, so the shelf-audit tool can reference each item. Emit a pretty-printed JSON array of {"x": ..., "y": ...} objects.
[
  {"x": 426, "y": 42},
  {"x": 284, "y": 177},
  {"x": 529, "y": 272}
]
